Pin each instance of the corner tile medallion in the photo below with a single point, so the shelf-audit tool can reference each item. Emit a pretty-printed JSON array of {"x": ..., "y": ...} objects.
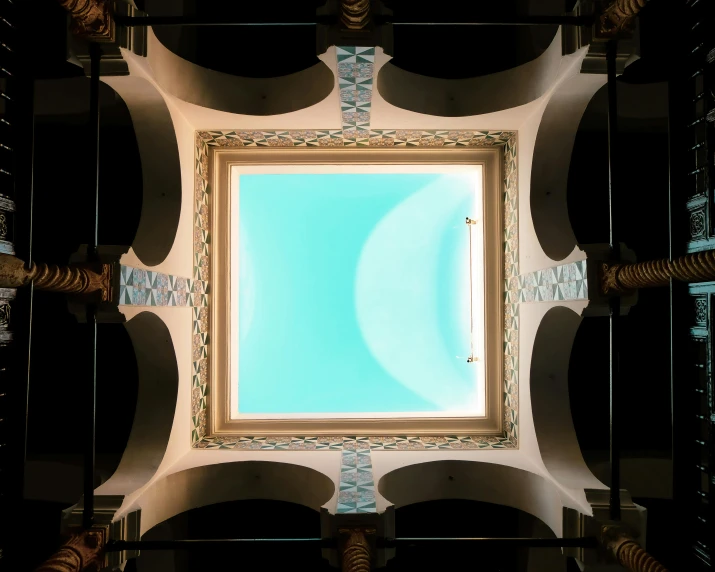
[
  {"x": 564, "y": 282},
  {"x": 355, "y": 73},
  {"x": 140, "y": 287}
]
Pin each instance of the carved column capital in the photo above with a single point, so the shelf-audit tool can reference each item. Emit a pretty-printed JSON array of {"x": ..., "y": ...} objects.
[
  {"x": 82, "y": 551},
  {"x": 92, "y": 20},
  {"x": 356, "y": 554}
]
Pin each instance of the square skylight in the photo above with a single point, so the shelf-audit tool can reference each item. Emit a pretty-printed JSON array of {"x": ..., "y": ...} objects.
[{"x": 357, "y": 291}]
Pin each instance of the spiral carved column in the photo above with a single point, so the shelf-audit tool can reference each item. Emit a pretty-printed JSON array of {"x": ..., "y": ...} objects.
[
  {"x": 95, "y": 280},
  {"x": 83, "y": 551},
  {"x": 624, "y": 277},
  {"x": 356, "y": 555},
  {"x": 91, "y": 19},
  {"x": 628, "y": 552},
  {"x": 619, "y": 16},
  {"x": 355, "y": 14}
]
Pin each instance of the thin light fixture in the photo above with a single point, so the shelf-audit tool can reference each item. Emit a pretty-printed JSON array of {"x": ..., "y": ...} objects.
[{"x": 472, "y": 358}]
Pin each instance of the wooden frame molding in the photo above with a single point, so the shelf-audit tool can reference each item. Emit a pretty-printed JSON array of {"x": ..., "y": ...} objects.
[{"x": 223, "y": 160}]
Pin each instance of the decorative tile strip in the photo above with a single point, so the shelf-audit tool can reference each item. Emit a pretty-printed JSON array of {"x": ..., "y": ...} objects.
[
  {"x": 378, "y": 138},
  {"x": 564, "y": 282},
  {"x": 355, "y": 81},
  {"x": 340, "y": 443},
  {"x": 511, "y": 299},
  {"x": 200, "y": 382},
  {"x": 356, "y": 494},
  {"x": 339, "y": 138},
  {"x": 139, "y": 287}
]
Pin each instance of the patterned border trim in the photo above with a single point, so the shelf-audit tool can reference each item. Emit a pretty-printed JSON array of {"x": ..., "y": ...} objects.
[
  {"x": 355, "y": 81},
  {"x": 564, "y": 282},
  {"x": 511, "y": 298},
  {"x": 139, "y": 287},
  {"x": 338, "y": 138},
  {"x": 339, "y": 443},
  {"x": 200, "y": 289},
  {"x": 399, "y": 138}
]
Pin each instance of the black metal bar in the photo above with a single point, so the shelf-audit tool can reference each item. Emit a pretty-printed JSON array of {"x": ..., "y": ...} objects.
[
  {"x": 519, "y": 21},
  {"x": 614, "y": 302},
  {"x": 213, "y": 544},
  {"x": 130, "y": 21},
  {"x": 91, "y": 445},
  {"x": 579, "y": 542},
  {"x": 95, "y": 53}
]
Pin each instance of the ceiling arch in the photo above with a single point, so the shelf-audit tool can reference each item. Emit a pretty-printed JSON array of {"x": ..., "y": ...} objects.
[
  {"x": 210, "y": 484},
  {"x": 471, "y": 480}
]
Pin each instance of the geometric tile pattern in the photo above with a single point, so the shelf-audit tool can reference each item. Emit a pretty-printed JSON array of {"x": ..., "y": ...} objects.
[
  {"x": 511, "y": 291},
  {"x": 355, "y": 75},
  {"x": 564, "y": 282},
  {"x": 338, "y": 138},
  {"x": 139, "y": 287},
  {"x": 356, "y": 494},
  {"x": 199, "y": 293},
  {"x": 340, "y": 443}
]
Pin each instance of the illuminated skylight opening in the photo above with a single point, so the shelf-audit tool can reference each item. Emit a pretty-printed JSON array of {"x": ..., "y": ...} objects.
[{"x": 357, "y": 291}]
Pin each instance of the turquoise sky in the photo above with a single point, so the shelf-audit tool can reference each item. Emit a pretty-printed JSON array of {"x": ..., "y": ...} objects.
[{"x": 354, "y": 293}]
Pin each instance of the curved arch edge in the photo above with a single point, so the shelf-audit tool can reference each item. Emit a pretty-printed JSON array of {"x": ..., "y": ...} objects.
[
  {"x": 241, "y": 95},
  {"x": 471, "y": 96},
  {"x": 161, "y": 167}
]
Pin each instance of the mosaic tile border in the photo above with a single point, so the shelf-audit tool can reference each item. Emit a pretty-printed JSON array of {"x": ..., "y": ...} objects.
[
  {"x": 401, "y": 138},
  {"x": 511, "y": 296},
  {"x": 563, "y": 282},
  {"x": 200, "y": 382},
  {"x": 355, "y": 82},
  {"x": 339, "y": 138},
  {"x": 140, "y": 287},
  {"x": 340, "y": 443}
]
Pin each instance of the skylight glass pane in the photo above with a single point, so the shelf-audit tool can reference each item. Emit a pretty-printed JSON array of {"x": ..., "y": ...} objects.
[{"x": 354, "y": 294}]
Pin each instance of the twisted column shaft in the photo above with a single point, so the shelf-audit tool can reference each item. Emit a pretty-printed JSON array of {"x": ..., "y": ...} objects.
[
  {"x": 627, "y": 551},
  {"x": 83, "y": 551},
  {"x": 355, "y": 550},
  {"x": 619, "y": 15},
  {"x": 91, "y": 19},
  {"x": 72, "y": 279},
  {"x": 622, "y": 277}
]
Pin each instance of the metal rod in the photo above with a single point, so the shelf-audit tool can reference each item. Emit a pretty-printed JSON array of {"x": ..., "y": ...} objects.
[
  {"x": 585, "y": 542},
  {"x": 519, "y": 21},
  {"x": 212, "y": 544},
  {"x": 91, "y": 444},
  {"x": 120, "y": 545},
  {"x": 95, "y": 53},
  {"x": 130, "y": 21},
  {"x": 614, "y": 301}
]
